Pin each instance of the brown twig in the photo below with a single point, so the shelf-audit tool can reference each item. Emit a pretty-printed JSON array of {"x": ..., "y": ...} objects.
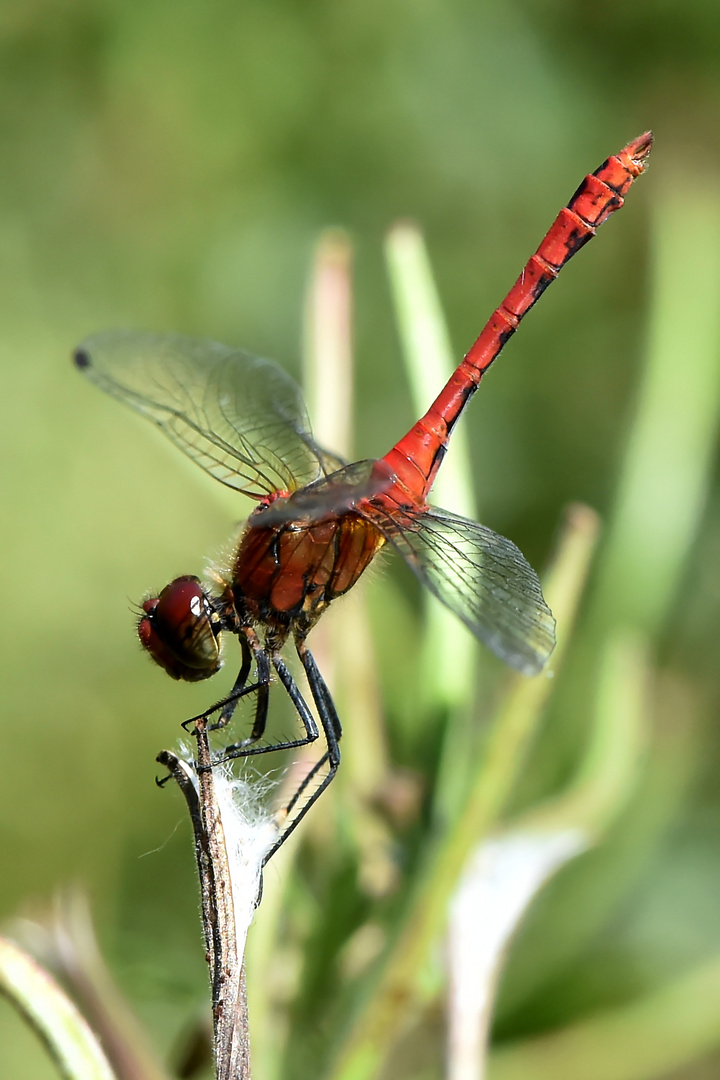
[{"x": 227, "y": 974}]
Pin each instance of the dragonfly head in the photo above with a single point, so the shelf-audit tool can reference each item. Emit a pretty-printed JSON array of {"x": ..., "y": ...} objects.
[{"x": 180, "y": 628}]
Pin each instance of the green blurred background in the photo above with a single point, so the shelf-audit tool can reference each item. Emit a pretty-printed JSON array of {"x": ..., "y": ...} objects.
[{"x": 169, "y": 165}]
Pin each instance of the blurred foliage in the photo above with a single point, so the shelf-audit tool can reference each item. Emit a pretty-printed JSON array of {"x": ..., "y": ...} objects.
[{"x": 169, "y": 165}]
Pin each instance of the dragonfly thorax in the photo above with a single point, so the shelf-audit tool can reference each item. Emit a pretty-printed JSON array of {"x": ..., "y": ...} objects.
[{"x": 285, "y": 575}]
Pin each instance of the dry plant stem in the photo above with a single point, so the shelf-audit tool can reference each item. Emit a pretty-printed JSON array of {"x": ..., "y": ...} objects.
[{"x": 227, "y": 975}]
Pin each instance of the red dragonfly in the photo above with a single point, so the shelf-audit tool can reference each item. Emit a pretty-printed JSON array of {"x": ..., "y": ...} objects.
[{"x": 319, "y": 522}]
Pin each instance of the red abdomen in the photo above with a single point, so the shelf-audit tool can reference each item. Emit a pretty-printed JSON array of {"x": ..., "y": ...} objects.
[{"x": 417, "y": 457}]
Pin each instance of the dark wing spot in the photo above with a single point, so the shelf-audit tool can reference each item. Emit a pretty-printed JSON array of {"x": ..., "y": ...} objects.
[{"x": 82, "y": 359}]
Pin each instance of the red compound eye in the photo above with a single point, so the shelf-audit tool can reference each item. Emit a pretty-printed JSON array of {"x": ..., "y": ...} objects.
[{"x": 178, "y": 630}]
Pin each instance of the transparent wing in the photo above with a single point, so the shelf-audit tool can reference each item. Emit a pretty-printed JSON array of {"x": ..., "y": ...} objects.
[
  {"x": 334, "y": 494},
  {"x": 482, "y": 577},
  {"x": 242, "y": 419}
]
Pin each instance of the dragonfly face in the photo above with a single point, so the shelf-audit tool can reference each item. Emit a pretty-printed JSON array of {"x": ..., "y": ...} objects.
[{"x": 180, "y": 628}]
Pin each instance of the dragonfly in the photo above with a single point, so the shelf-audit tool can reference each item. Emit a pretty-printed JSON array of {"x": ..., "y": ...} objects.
[{"x": 319, "y": 522}]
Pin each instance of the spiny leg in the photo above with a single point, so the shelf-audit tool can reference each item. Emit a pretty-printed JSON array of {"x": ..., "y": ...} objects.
[
  {"x": 227, "y": 705},
  {"x": 331, "y": 729},
  {"x": 244, "y": 748}
]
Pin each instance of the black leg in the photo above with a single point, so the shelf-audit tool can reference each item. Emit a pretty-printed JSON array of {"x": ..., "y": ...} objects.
[
  {"x": 326, "y": 711},
  {"x": 239, "y": 686},
  {"x": 228, "y": 704},
  {"x": 245, "y": 748},
  {"x": 262, "y": 686},
  {"x": 331, "y": 729}
]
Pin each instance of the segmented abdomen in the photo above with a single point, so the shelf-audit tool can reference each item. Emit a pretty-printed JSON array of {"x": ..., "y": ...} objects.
[{"x": 416, "y": 458}]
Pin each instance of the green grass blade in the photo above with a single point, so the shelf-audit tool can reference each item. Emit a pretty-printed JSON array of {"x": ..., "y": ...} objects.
[
  {"x": 666, "y": 471},
  {"x": 661, "y": 1032},
  {"x": 429, "y": 362},
  {"x": 507, "y": 870},
  {"x": 52, "y": 1015},
  {"x": 450, "y": 653},
  {"x": 428, "y": 354},
  {"x": 609, "y": 770}
]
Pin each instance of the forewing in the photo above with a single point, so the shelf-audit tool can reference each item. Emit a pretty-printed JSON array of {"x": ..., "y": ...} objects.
[
  {"x": 242, "y": 419},
  {"x": 481, "y": 576}
]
